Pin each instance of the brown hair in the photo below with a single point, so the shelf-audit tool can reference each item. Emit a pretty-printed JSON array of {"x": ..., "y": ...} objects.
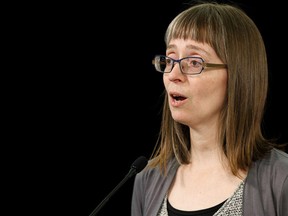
[{"x": 239, "y": 44}]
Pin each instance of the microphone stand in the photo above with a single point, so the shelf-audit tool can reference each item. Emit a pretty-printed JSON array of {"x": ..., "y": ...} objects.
[{"x": 131, "y": 172}]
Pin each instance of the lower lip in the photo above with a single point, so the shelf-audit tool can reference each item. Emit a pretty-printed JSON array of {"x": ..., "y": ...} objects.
[{"x": 177, "y": 103}]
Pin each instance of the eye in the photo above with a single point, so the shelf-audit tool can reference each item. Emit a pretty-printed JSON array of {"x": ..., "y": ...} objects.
[
  {"x": 195, "y": 63},
  {"x": 169, "y": 61}
]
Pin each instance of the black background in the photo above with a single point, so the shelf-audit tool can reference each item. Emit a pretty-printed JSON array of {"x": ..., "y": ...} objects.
[{"x": 100, "y": 101}]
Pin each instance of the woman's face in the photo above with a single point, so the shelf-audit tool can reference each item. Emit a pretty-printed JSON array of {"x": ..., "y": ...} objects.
[{"x": 195, "y": 100}]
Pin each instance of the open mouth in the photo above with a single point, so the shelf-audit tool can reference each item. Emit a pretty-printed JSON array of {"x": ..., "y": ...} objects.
[{"x": 178, "y": 97}]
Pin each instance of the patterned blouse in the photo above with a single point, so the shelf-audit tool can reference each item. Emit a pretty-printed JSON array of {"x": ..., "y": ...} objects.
[{"x": 231, "y": 207}]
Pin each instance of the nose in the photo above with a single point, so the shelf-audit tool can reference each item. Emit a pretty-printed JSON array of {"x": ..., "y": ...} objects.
[
  {"x": 176, "y": 65},
  {"x": 176, "y": 72}
]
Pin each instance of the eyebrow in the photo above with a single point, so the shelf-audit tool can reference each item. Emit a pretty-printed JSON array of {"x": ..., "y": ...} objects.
[{"x": 192, "y": 47}]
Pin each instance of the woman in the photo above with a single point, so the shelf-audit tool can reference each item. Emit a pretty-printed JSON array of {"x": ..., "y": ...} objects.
[{"x": 211, "y": 157}]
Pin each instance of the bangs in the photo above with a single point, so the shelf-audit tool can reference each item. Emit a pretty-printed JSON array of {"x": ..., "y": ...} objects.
[{"x": 204, "y": 26}]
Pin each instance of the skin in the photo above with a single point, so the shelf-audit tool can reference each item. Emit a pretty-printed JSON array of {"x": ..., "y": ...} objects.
[{"x": 207, "y": 180}]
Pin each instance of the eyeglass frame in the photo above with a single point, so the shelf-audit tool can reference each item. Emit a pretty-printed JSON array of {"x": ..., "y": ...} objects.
[{"x": 204, "y": 64}]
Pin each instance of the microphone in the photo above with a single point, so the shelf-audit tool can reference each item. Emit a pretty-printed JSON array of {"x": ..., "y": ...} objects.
[{"x": 138, "y": 165}]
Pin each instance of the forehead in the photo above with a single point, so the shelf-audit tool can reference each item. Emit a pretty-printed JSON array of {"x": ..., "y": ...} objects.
[{"x": 189, "y": 45}]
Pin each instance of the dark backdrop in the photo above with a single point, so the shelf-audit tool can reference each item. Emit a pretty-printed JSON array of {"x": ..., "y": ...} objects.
[{"x": 103, "y": 103}]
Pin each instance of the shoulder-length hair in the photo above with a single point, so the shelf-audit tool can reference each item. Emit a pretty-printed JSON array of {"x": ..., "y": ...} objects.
[{"x": 239, "y": 44}]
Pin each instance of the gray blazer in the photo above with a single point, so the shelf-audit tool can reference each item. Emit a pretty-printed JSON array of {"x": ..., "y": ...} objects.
[{"x": 265, "y": 189}]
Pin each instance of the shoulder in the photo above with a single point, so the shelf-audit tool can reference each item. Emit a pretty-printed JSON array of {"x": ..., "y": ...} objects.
[
  {"x": 275, "y": 163},
  {"x": 149, "y": 175},
  {"x": 270, "y": 170},
  {"x": 150, "y": 187},
  {"x": 279, "y": 155},
  {"x": 267, "y": 180},
  {"x": 276, "y": 160}
]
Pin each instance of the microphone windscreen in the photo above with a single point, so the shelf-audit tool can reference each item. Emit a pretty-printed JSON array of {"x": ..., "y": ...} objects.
[{"x": 139, "y": 164}]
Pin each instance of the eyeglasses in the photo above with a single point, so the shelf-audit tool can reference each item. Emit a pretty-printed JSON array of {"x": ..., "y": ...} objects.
[{"x": 188, "y": 65}]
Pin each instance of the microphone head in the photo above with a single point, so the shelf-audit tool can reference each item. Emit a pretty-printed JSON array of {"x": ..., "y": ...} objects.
[{"x": 139, "y": 164}]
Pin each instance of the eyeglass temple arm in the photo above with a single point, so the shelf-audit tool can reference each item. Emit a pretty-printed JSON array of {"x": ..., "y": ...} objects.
[{"x": 215, "y": 65}]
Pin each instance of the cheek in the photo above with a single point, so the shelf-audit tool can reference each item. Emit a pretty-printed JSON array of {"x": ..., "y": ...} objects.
[
  {"x": 222, "y": 83},
  {"x": 210, "y": 91},
  {"x": 165, "y": 81},
  {"x": 215, "y": 89},
  {"x": 217, "y": 86}
]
